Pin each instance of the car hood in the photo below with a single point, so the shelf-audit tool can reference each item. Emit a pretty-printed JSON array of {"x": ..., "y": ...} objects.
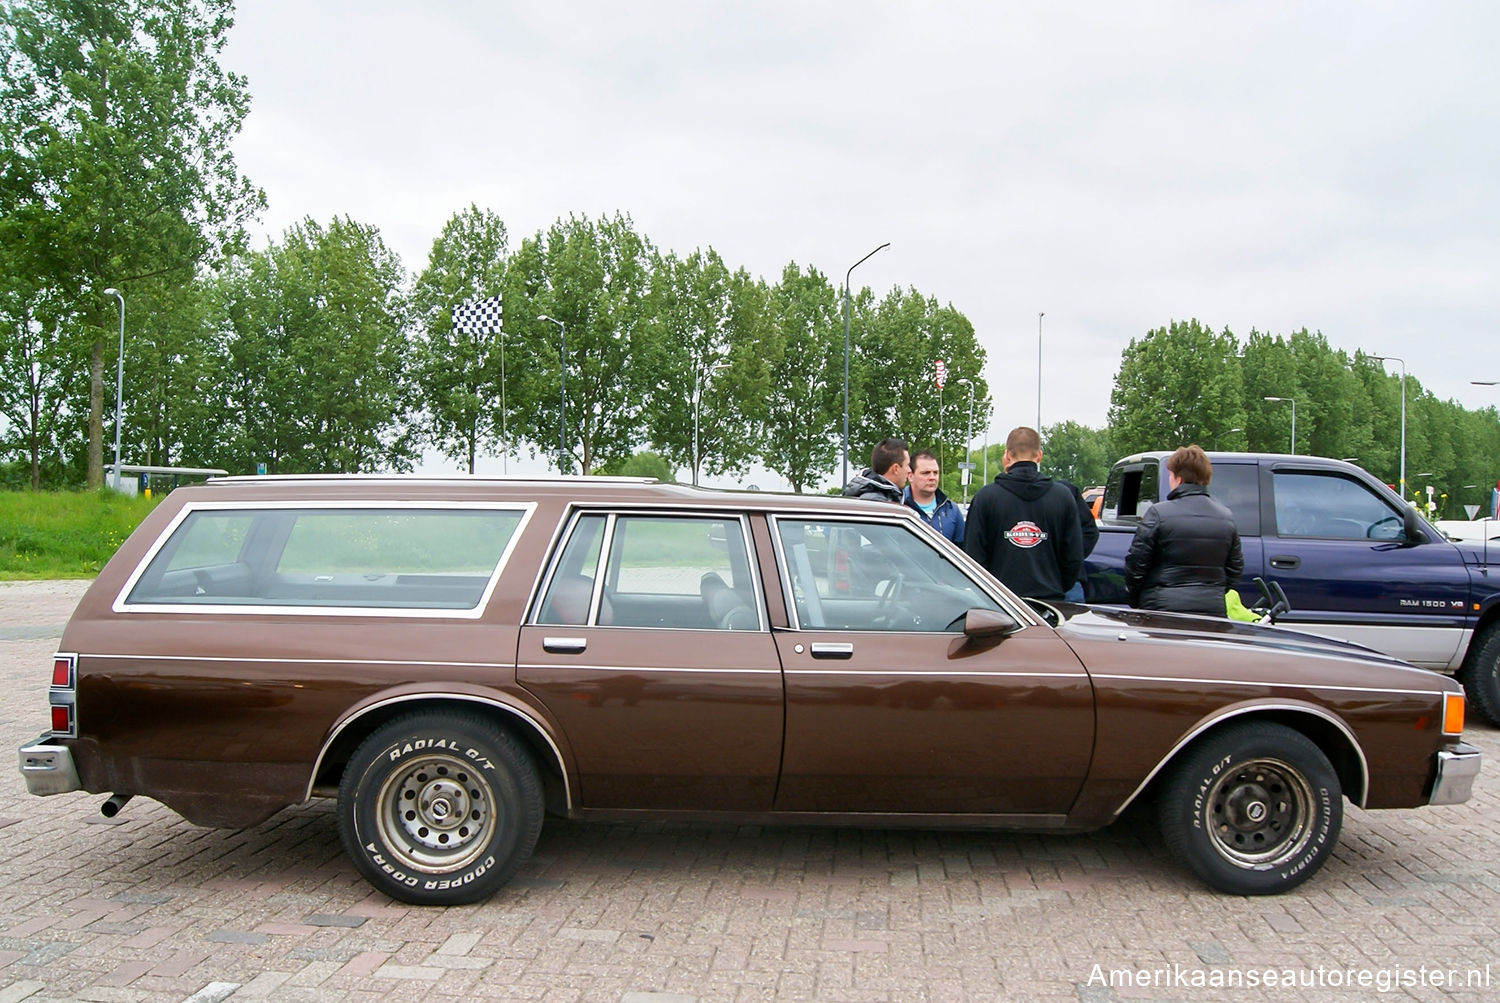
[
  {"x": 1093, "y": 623},
  {"x": 1478, "y": 552}
]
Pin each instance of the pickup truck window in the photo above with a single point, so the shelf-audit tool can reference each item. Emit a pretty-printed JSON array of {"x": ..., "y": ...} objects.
[
  {"x": 1131, "y": 489},
  {"x": 1237, "y": 486},
  {"x": 1330, "y": 506}
]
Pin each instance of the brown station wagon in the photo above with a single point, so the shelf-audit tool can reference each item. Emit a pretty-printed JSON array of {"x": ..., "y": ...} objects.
[{"x": 452, "y": 659}]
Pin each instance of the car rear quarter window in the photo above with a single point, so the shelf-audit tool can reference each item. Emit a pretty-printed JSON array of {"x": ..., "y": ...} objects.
[
  {"x": 1237, "y": 486},
  {"x": 322, "y": 558}
]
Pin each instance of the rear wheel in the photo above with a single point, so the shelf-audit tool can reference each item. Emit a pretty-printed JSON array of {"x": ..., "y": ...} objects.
[
  {"x": 439, "y": 808},
  {"x": 1481, "y": 673},
  {"x": 1254, "y": 809}
]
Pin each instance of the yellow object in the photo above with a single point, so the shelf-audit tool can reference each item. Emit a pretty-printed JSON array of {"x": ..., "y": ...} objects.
[
  {"x": 1236, "y": 608},
  {"x": 1453, "y": 713}
]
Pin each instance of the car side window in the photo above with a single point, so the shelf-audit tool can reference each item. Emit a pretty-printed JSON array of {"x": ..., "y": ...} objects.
[
  {"x": 684, "y": 572},
  {"x": 1237, "y": 487},
  {"x": 1330, "y": 506},
  {"x": 570, "y": 593},
  {"x": 845, "y": 575},
  {"x": 332, "y": 557}
]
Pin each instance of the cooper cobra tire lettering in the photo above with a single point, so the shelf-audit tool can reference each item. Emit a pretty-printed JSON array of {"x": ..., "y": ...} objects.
[
  {"x": 1254, "y": 808},
  {"x": 439, "y": 807}
]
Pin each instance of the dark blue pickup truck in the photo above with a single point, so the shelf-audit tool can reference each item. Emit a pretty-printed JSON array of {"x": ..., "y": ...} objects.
[{"x": 1355, "y": 561}]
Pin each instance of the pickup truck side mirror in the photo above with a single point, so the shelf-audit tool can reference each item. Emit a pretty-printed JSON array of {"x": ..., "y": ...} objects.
[{"x": 1411, "y": 526}]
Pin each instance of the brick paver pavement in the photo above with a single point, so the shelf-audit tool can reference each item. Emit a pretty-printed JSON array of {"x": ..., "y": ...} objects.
[{"x": 148, "y": 907}]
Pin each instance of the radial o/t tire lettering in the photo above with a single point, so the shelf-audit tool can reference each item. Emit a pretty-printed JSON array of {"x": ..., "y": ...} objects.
[
  {"x": 439, "y": 808},
  {"x": 1254, "y": 808}
]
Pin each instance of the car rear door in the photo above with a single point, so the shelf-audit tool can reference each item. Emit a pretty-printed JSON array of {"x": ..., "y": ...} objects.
[{"x": 649, "y": 646}]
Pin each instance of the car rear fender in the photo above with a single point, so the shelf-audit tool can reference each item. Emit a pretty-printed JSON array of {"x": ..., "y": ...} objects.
[
  {"x": 1324, "y": 728},
  {"x": 352, "y": 730}
]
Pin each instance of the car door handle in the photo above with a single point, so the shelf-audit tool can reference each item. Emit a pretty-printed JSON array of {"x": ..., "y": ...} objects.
[
  {"x": 564, "y": 645},
  {"x": 1285, "y": 561},
  {"x": 831, "y": 650}
]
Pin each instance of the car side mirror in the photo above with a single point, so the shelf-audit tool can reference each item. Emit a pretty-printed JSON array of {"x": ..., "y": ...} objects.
[
  {"x": 1411, "y": 526},
  {"x": 989, "y": 623}
]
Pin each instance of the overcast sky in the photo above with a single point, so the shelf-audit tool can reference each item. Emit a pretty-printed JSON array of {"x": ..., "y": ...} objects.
[{"x": 1117, "y": 166}]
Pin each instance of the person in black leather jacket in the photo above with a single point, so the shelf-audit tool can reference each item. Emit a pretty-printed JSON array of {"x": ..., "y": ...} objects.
[{"x": 1186, "y": 551}]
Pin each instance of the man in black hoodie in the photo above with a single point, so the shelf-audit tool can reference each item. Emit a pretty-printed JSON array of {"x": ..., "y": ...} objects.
[{"x": 1025, "y": 527}]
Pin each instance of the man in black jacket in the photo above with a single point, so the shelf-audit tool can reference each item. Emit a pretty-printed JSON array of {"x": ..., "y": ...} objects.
[
  {"x": 1025, "y": 527},
  {"x": 1186, "y": 552},
  {"x": 886, "y": 475}
]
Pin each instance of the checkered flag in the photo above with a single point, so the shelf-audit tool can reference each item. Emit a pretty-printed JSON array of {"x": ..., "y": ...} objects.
[{"x": 477, "y": 316}]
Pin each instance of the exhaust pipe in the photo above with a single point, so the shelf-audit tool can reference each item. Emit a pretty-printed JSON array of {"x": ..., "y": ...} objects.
[{"x": 111, "y": 808}]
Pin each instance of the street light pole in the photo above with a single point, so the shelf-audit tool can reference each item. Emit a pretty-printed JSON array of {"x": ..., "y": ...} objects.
[
  {"x": 1294, "y": 419},
  {"x": 850, "y": 272},
  {"x": 1392, "y": 358},
  {"x": 969, "y": 439},
  {"x": 119, "y": 380},
  {"x": 1039, "y": 317},
  {"x": 562, "y": 382}
]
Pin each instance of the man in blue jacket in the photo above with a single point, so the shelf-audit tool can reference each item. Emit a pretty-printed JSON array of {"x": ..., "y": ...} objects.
[{"x": 924, "y": 495}]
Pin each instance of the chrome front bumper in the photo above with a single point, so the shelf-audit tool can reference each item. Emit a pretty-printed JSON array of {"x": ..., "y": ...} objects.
[
  {"x": 48, "y": 767},
  {"x": 1456, "y": 769}
]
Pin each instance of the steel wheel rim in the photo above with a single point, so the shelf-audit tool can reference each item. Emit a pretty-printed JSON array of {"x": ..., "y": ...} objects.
[
  {"x": 436, "y": 814},
  {"x": 1259, "y": 814}
]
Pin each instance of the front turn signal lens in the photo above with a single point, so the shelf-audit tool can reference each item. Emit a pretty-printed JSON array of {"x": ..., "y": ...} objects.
[{"x": 1453, "y": 713}]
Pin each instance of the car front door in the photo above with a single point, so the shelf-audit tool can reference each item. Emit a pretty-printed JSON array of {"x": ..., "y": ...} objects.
[
  {"x": 649, "y": 646},
  {"x": 890, "y": 708},
  {"x": 1339, "y": 551}
]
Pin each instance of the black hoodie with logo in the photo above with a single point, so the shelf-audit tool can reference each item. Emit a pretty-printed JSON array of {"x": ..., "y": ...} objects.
[{"x": 1025, "y": 529}]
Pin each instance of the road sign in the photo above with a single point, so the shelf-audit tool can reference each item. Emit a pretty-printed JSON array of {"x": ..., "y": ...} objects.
[{"x": 966, "y": 465}]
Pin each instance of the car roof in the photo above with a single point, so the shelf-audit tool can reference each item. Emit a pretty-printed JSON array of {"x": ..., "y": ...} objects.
[{"x": 570, "y": 488}]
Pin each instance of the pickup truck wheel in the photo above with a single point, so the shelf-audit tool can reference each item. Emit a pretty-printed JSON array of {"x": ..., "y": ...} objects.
[
  {"x": 1254, "y": 809},
  {"x": 1481, "y": 673},
  {"x": 439, "y": 808}
]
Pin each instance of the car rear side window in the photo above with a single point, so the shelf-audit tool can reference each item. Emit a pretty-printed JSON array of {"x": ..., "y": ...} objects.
[
  {"x": 684, "y": 572},
  {"x": 1237, "y": 486},
  {"x": 329, "y": 557}
]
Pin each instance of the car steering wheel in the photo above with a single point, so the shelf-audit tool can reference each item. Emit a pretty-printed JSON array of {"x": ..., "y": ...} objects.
[
  {"x": 1370, "y": 533},
  {"x": 883, "y": 608}
]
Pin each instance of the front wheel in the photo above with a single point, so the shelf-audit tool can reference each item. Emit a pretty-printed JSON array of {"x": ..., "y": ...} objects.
[
  {"x": 1254, "y": 809},
  {"x": 439, "y": 808},
  {"x": 1480, "y": 673}
]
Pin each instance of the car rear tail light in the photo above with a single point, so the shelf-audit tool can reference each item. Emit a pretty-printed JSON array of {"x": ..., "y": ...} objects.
[
  {"x": 62, "y": 696},
  {"x": 1453, "y": 713}
]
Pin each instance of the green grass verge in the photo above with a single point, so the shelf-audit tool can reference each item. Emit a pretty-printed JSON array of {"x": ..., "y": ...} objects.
[{"x": 64, "y": 534}]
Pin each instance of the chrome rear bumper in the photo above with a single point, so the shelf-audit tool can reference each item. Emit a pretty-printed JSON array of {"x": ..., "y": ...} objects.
[
  {"x": 48, "y": 767},
  {"x": 1456, "y": 769}
]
